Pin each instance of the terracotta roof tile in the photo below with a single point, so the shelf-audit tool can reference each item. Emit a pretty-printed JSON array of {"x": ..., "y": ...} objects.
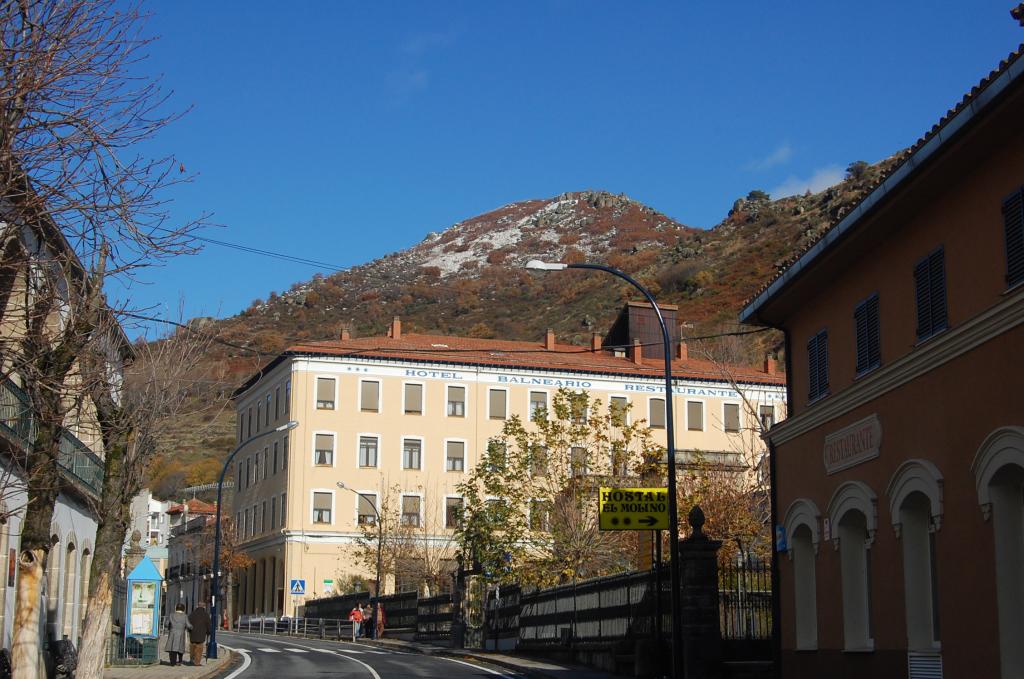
[{"x": 516, "y": 354}]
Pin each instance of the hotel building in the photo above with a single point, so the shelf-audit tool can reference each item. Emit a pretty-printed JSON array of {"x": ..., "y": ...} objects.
[
  {"x": 416, "y": 412},
  {"x": 899, "y": 472}
]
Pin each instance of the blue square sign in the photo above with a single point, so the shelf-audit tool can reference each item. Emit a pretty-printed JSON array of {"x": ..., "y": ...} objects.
[{"x": 298, "y": 587}]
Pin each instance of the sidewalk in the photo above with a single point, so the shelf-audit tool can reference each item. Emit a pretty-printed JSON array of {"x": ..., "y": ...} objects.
[
  {"x": 535, "y": 668},
  {"x": 209, "y": 669}
]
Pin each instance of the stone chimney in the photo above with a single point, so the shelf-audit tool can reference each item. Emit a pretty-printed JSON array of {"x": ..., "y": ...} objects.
[
  {"x": 682, "y": 351},
  {"x": 395, "y": 331},
  {"x": 549, "y": 339},
  {"x": 595, "y": 342},
  {"x": 345, "y": 334},
  {"x": 638, "y": 352},
  {"x": 769, "y": 365}
]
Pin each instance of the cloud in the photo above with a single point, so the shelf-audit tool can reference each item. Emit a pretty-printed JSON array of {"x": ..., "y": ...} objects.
[
  {"x": 820, "y": 179},
  {"x": 426, "y": 41},
  {"x": 779, "y": 156}
]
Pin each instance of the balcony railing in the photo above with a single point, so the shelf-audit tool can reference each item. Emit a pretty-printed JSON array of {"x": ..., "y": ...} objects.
[{"x": 75, "y": 458}]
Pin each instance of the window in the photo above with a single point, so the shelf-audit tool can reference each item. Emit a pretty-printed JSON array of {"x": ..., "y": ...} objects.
[
  {"x": 248, "y": 422},
  {"x": 277, "y": 403},
  {"x": 263, "y": 517},
  {"x": 241, "y": 426},
  {"x": 238, "y": 484},
  {"x": 657, "y": 413},
  {"x": 248, "y": 472},
  {"x": 411, "y": 510},
  {"x": 695, "y": 416},
  {"x": 578, "y": 461},
  {"x": 259, "y": 415},
  {"x": 919, "y": 572},
  {"x": 731, "y": 417},
  {"x": 618, "y": 408},
  {"x": 538, "y": 404},
  {"x": 413, "y": 399},
  {"x": 817, "y": 366},
  {"x": 266, "y": 411},
  {"x": 930, "y": 287},
  {"x": 1013, "y": 223},
  {"x": 287, "y": 397},
  {"x": 497, "y": 454},
  {"x": 455, "y": 456},
  {"x": 246, "y": 526},
  {"x": 273, "y": 513},
  {"x": 452, "y": 512},
  {"x": 538, "y": 460},
  {"x": 284, "y": 453},
  {"x": 806, "y": 610},
  {"x": 578, "y": 408},
  {"x": 767, "y": 415},
  {"x": 869, "y": 353},
  {"x": 456, "y": 401},
  {"x": 275, "y": 457},
  {"x": 252, "y": 527},
  {"x": 255, "y": 468},
  {"x": 854, "y": 566},
  {"x": 497, "y": 404},
  {"x": 369, "y": 396},
  {"x": 325, "y": 393},
  {"x": 266, "y": 461},
  {"x": 284, "y": 506},
  {"x": 540, "y": 515},
  {"x": 367, "y": 515},
  {"x": 367, "y": 451},
  {"x": 323, "y": 450},
  {"x": 322, "y": 506},
  {"x": 412, "y": 454}
]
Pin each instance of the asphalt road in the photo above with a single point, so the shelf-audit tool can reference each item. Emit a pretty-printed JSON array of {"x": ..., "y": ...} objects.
[{"x": 272, "y": 657}]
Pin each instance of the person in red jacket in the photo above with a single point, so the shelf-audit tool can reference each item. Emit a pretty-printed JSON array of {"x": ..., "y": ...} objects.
[{"x": 355, "y": 616}]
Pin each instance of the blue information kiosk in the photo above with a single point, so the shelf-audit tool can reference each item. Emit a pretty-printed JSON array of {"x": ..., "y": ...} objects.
[{"x": 142, "y": 614}]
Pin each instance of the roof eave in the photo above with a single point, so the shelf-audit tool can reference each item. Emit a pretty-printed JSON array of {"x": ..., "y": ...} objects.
[{"x": 751, "y": 313}]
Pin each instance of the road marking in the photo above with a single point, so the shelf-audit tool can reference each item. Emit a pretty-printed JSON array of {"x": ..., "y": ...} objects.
[
  {"x": 246, "y": 661},
  {"x": 296, "y": 650},
  {"x": 473, "y": 665},
  {"x": 268, "y": 650}
]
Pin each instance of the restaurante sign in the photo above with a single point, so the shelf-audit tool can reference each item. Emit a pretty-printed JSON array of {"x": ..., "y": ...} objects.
[{"x": 852, "y": 445}]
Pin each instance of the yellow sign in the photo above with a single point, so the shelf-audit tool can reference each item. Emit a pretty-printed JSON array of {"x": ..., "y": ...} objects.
[{"x": 634, "y": 509}]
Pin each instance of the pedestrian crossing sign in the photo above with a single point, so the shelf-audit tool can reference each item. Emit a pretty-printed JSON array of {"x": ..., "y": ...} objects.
[{"x": 298, "y": 587}]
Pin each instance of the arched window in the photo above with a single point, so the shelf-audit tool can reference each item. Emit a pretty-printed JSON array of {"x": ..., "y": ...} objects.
[
  {"x": 854, "y": 515},
  {"x": 999, "y": 477},
  {"x": 53, "y": 586},
  {"x": 70, "y": 588},
  {"x": 801, "y": 525},
  {"x": 915, "y": 507}
]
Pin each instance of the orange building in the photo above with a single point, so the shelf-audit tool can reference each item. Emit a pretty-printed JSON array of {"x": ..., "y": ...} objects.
[{"x": 899, "y": 472}]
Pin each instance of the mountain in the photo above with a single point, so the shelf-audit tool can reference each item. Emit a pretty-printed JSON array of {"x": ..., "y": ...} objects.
[{"x": 469, "y": 279}]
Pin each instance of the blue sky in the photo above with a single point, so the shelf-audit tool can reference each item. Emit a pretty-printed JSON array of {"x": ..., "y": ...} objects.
[{"x": 340, "y": 131}]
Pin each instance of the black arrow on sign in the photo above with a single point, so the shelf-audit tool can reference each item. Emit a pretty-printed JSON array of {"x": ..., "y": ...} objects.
[{"x": 648, "y": 520}]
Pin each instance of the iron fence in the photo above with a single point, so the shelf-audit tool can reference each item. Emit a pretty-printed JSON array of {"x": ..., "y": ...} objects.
[
  {"x": 745, "y": 600},
  {"x": 434, "y": 618}
]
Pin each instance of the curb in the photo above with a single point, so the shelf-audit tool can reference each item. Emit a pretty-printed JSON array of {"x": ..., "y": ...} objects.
[{"x": 221, "y": 668}]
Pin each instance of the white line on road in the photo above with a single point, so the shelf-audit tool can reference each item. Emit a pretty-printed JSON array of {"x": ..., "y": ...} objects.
[
  {"x": 295, "y": 650},
  {"x": 475, "y": 666},
  {"x": 372, "y": 671},
  {"x": 246, "y": 661},
  {"x": 268, "y": 650}
]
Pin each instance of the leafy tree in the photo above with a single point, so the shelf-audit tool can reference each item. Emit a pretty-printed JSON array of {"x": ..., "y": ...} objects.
[
  {"x": 857, "y": 169},
  {"x": 530, "y": 513},
  {"x": 757, "y": 195}
]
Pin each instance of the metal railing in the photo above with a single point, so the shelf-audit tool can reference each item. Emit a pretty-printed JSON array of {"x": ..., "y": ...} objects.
[
  {"x": 745, "y": 600},
  {"x": 75, "y": 458},
  {"x": 308, "y": 628}
]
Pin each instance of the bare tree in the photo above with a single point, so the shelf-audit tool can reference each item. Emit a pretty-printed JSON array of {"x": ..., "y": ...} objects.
[
  {"x": 79, "y": 207},
  {"x": 134, "y": 422}
]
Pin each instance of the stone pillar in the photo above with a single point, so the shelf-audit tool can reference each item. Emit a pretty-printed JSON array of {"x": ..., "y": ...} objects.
[
  {"x": 702, "y": 638},
  {"x": 134, "y": 554}
]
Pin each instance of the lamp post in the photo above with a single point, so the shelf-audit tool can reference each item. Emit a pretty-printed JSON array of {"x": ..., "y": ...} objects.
[
  {"x": 211, "y": 648},
  {"x": 380, "y": 544},
  {"x": 673, "y": 512}
]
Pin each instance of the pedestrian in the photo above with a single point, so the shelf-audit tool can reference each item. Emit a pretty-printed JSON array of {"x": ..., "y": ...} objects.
[
  {"x": 368, "y": 621},
  {"x": 355, "y": 616},
  {"x": 200, "y": 630},
  {"x": 177, "y": 625},
  {"x": 380, "y": 620}
]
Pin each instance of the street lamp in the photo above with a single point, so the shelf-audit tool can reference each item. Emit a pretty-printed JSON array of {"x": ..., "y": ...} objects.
[
  {"x": 211, "y": 648},
  {"x": 673, "y": 512},
  {"x": 380, "y": 544}
]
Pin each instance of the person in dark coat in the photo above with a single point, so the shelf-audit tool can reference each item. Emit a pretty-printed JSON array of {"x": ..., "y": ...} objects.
[
  {"x": 177, "y": 625},
  {"x": 199, "y": 632}
]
